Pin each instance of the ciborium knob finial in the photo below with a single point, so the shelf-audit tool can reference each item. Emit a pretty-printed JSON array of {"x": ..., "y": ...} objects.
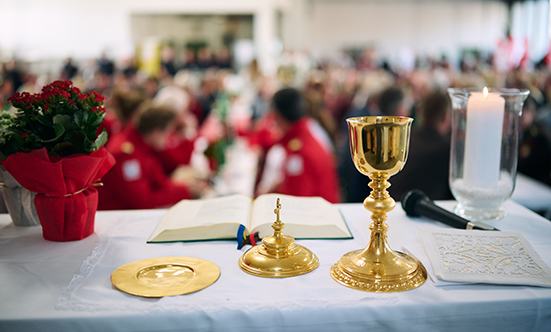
[{"x": 379, "y": 147}]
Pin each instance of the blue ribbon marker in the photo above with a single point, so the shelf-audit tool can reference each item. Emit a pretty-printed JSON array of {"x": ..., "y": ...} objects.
[{"x": 240, "y": 236}]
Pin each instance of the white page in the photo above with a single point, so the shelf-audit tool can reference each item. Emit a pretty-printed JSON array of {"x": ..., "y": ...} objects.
[
  {"x": 311, "y": 211},
  {"x": 196, "y": 213}
]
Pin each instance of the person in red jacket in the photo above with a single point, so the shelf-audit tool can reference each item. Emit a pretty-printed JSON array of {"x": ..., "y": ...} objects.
[
  {"x": 179, "y": 145},
  {"x": 137, "y": 181},
  {"x": 309, "y": 166}
]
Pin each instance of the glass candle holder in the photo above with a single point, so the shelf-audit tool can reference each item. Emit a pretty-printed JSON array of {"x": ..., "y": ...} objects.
[{"x": 484, "y": 149}]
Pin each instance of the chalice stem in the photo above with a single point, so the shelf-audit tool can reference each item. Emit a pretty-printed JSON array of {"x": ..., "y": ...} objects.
[
  {"x": 379, "y": 203},
  {"x": 379, "y": 184}
]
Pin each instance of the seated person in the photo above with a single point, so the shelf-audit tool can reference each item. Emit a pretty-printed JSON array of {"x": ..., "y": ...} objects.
[
  {"x": 125, "y": 105},
  {"x": 308, "y": 165},
  {"x": 534, "y": 158},
  {"x": 178, "y": 147},
  {"x": 137, "y": 181},
  {"x": 428, "y": 163},
  {"x": 393, "y": 101},
  {"x": 3, "y": 208}
]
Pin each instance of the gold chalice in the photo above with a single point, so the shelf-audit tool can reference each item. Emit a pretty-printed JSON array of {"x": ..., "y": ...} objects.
[{"x": 379, "y": 147}]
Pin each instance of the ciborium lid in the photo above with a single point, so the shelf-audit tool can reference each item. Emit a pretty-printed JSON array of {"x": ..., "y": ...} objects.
[{"x": 278, "y": 256}]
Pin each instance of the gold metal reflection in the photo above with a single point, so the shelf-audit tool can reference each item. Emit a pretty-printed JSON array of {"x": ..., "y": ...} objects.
[
  {"x": 278, "y": 256},
  {"x": 165, "y": 276},
  {"x": 379, "y": 148}
]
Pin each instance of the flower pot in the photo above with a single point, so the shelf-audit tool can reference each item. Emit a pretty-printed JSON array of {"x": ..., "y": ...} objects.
[
  {"x": 66, "y": 200},
  {"x": 19, "y": 201},
  {"x": 52, "y": 148}
]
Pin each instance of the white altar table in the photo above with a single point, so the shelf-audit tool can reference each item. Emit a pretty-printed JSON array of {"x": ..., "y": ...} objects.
[
  {"x": 49, "y": 286},
  {"x": 532, "y": 193}
]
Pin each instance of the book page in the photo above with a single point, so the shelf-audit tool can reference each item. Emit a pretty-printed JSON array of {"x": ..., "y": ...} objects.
[
  {"x": 304, "y": 217},
  {"x": 209, "y": 212}
]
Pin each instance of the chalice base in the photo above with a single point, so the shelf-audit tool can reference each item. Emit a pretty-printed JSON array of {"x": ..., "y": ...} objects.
[{"x": 388, "y": 272}]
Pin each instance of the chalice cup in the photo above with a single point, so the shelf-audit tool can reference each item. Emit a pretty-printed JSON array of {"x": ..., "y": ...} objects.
[{"x": 379, "y": 148}]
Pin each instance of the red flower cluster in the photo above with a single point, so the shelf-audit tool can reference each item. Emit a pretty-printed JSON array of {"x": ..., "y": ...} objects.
[
  {"x": 24, "y": 98},
  {"x": 56, "y": 94},
  {"x": 60, "y": 118}
]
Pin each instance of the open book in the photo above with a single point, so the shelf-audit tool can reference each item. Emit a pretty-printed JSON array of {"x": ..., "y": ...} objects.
[{"x": 219, "y": 218}]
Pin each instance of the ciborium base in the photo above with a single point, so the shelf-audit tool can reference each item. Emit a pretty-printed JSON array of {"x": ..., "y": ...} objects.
[
  {"x": 393, "y": 272},
  {"x": 296, "y": 260},
  {"x": 278, "y": 256}
]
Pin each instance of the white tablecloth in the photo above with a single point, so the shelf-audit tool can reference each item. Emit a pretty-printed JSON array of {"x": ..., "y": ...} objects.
[
  {"x": 53, "y": 286},
  {"x": 532, "y": 194}
]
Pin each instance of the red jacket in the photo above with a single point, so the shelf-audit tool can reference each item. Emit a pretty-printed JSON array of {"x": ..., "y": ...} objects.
[
  {"x": 309, "y": 168},
  {"x": 137, "y": 180},
  {"x": 177, "y": 153},
  {"x": 111, "y": 125}
]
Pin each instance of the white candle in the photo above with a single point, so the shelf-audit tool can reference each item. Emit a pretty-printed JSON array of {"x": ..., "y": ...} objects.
[{"x": 481, "y": 164}]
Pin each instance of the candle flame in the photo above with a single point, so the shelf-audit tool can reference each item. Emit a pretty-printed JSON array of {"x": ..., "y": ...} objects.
[{"x": 485, "y": 91}]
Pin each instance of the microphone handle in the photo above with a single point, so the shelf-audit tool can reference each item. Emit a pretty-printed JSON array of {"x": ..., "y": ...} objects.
[{"x": 429, "y": 209}]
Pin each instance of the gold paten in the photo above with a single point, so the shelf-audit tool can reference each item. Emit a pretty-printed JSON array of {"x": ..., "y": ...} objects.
[
  {"x": 379, "y": 147},
  {"x": 165, "y": 276},
  {"x": 278, "y": 256}
]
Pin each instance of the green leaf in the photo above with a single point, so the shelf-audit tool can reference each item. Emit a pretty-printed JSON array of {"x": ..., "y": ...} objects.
[
  {"x": 62, "y": 149},
  {"x": 63, "y": 120},
  {"x": 45, "y": 120},
  {"x": 59, "y": 130},
  {"x": 77, "y": 139},
  {"x": 12, "y": 147},
  {"x": 100, "y": 141},
  {"x": 43, "y": 133},
  {"x": 85, "y": 117},
  {"x": 18, "y": 138},
  {"x": 88, "y": 145},
  {"x": 98, "y": 120},
  {"x": 79, "y": 118}
]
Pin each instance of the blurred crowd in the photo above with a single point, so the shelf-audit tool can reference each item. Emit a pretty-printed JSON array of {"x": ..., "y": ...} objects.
[{"x": 168, "y": 131}]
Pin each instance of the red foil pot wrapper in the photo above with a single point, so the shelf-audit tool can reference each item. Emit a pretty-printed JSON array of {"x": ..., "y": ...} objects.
[{"x": 66, "y": 200}]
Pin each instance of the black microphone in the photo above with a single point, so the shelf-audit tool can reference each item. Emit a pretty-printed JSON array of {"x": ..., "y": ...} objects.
[{"x": 417, "y": 204}]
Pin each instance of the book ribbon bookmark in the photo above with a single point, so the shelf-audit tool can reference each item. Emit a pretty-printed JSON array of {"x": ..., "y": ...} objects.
[{"x": 243, "y": 239}]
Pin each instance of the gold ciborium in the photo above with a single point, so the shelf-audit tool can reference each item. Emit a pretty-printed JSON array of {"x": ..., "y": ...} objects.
[
  {"x": 278, "y": 256},
  {"x": 379, "y": 148}
]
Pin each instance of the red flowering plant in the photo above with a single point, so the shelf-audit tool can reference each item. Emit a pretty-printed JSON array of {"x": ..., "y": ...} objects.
[
  {"x": 50, "y": 147},
  {"x": 61, "y": 119}
]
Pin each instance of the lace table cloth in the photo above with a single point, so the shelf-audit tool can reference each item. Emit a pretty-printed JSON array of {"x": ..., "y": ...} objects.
[{"x": 484, "y": 257}]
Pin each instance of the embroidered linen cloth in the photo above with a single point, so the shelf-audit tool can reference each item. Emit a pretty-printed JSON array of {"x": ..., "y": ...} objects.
[
  {"x": 484, "y": 257},
  {"x": 91, "y": 288}
]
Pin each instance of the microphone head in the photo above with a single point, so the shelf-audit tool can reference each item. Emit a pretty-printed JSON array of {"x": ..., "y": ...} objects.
[{"x": 410, "y": 200}]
